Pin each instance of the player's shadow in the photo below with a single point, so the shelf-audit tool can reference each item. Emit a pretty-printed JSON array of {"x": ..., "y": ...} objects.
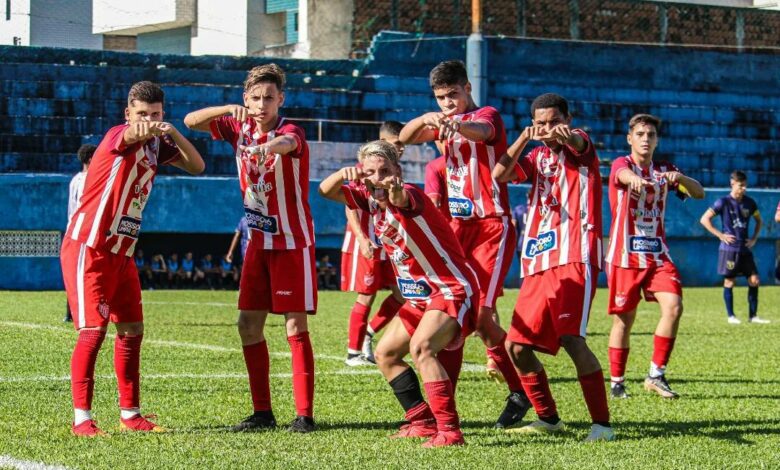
[{"x": 727, "y": 430}]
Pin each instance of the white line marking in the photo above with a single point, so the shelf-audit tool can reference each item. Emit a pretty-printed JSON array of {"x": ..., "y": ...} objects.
[
  {"x": 8, "y": 461},
  {"x": 208, "y": 304}
]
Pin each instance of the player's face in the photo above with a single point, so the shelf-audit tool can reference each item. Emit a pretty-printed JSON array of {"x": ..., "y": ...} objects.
[
  {"x": 547, "y": 118},
  {"x": 643, "y": 140},
  {"x": 393, "y": 139},
  {"x": 264, "y": 101},
  {"x": 139, "y": 111},
  {"x": 454, "y": 99},
  {"x": 738, "y": 188},
  {"x": 378, "y": 171}
]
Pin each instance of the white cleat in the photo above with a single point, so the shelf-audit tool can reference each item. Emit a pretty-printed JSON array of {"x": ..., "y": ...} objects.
[
  {"x": 538, "y": 427},
  {"x": 759, "y": 321},
  {"x": 600, "y": 433},
  {"x": 357, "y": 361},
  {"x": 368, "y": 349},
  {"x": 734, "y": 320}
]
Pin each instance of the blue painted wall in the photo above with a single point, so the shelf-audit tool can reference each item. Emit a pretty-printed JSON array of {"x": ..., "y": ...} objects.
[{"x": 212, "y": 205}]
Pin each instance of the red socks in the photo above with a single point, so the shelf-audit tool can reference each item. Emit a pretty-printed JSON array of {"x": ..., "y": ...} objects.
[
  {"x": 442, "y": 399},
  {"x": 303, "y": 373},
  {"x": 357, "y": 326},
  {"x": 504, "y": 364},
  {"x": 420, "y": 412},
  {"x": 618, "y": 358},
  {"x": 595, "y": 396},
  {"x": 127, "y": 364},
  {"x": 258, "y": 368},
  {"x": 385, "y": 314},
  {"x": 451, "y": 361},
  {"x": 82, "y": 367},
  {"x": 537, "y": 388},
  {"x": 662, "y": 350}
]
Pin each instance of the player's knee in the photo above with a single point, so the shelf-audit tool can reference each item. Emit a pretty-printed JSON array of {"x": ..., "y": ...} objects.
[
  {"x": 574, "y": 345},
  {"x": 754, "y": 281},
  {"x": 674, "y": 311},
  {"x": 249, "y": 327},
  {"x": 386, "y": 356},
  {"x": 420, "y": 349},
  {"x": 728, "y": 283}
]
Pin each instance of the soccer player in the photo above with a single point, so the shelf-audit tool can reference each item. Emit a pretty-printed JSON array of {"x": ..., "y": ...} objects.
[
  {"x": 436, "y": 281},
  {"x": 278, "y": 275},
  {"x": 560, "y": 262},
  {"x": 735, "y": 257},
  {"x": 436, "y": 185},
  {"x": 638, "y": 260},
  {"x": 473, "y": 139},
  {"x": 76, "y": 188},
  {"x": 100, "y": 275},
  {"x": 365, "y": 269},
  {"x": 241, "y": 235}
]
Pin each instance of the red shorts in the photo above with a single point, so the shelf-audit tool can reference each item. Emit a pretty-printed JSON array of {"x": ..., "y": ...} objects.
[
  {"x": 366, "y": 276},
  {"x": 279, "y": 281},
  {"x": 489, "y": 248},
  {"x": 464, "y": 311},
  {"x": 627, "y": 284},
  {"x": 101, "y": 286},
  {"x": 553, "y": 303}
]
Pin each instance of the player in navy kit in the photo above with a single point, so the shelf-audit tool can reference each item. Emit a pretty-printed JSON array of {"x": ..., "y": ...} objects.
[{"x": 734, "y": 257}]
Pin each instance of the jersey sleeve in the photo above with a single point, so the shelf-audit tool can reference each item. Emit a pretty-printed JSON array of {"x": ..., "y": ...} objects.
[
  {"x": 525, "y": 167},
  {"x": 225, "y": 128},
  {"x": 717, "y": 206},
  {"x": 416, "y": 201},
  {"x": 433, "y": 180},
  {"x": 676, "y": 187},
  {"x": 490, "y": 116},
  {"x": 356, "y": 198},
  {"x": 115, "y": 138},
  {"x": 588, "y": 155},
  {"x": 297, "y": 133},
  {"x": 617, "y": 166},
  {"x": 169, "y": 153}
]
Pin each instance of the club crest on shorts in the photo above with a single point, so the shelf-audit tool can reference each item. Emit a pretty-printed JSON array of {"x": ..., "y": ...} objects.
[
  {"x": 620, "y": 300},
  {"x": 368, "y": 279},
  {"x": 103, "y": 309},
  {"x": 730, "y": 265}
]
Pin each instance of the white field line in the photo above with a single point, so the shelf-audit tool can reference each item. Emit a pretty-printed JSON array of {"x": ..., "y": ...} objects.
[
  {"x": 7, "y": 461},
  {"x": 208, "y": 304}
]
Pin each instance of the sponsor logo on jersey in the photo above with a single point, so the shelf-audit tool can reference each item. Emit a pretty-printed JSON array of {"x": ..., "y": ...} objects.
[
  {"x": 129, "y": 226},
  {"x": 264, "y": 223},
  {"x": 543, "y": 242},
  {"x": 645, "y": 245},
  {"x": 646, "y": 213},
  {"x": 262, "y": 187},
  {"x": 411, "y": 289},
  {"x": 461, "y": 208}
]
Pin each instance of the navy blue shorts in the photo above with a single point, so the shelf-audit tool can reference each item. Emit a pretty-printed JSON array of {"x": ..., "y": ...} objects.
[{"x": 736, "y": 263}]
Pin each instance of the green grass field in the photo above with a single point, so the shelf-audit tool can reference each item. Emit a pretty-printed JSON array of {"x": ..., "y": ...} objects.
[{"x": 194, "y": 379}]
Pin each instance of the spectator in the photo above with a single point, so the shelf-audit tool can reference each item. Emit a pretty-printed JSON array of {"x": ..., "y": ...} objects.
[
  {"x": 144, "y": 270},
  {"x": 325, "y": 273},
  {"x": 208, "y": 271},
  {"x": 228, "y": 273},
  {"x": 189, "y": 273},
  {"x": 159, "y": 271},
  {"x": 175, "y": 273}
]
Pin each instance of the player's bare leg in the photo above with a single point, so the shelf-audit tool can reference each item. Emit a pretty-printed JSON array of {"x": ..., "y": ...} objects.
[
  {"x": 251, "y": 326},
  {"x": 436, "y": 331},
  {"x": 383, "y": 316},
  {"x": 663, "y": 343},
  {"x": 537, "y": 388},
  {"x": 127, "y": 362},
  {"x": 619, "y": 347},
  {"x": 82, "y": 373},
  {"x": 753, "y": 283},
  {"x": 358, "y": 323},
  {"x": 297, "y": 325}
]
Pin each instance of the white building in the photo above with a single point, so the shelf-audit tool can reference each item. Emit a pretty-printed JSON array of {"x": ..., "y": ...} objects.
[{"x": 48, "y": 23}]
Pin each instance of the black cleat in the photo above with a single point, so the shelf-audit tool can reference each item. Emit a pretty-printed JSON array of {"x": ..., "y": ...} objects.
[
  {"x": 618, "y": 390},
  {"x": 660, "y": 386},
  {"x": 258, "y": 421},
  {"x": 302, "y": 424},
  {"x": 68, "y": 318},
  {"x": 517, "y": 405}
]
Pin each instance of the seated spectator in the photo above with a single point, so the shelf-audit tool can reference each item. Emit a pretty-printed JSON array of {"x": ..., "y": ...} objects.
[
  {"x": 144, "y": 270},
  {"x": 159, "y": 271},
  {"x": 325, "y": 273},
  {"x": 208, "y": 271},
  {"x": 175, "y": 273},
  {"x": 189, "y": 274},
  {"x": 228, "y": 273}
]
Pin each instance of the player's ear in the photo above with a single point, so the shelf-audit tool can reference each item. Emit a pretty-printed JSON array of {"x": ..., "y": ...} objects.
[
  {"x": 628, "y": 139},
  {"x": 467, "y": 87},
  {"x": 127, "y": 114},
  {"x": 246, "y": 103},
  {"x": 281, "y": 99}
]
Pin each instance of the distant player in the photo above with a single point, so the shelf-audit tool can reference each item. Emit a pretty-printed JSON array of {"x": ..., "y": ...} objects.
[
  {"x": 240, "y": 236},
  {"x": 560, "y": 262},
  {"x": 75, "y": 190},
  {"x": 474, "y": 138},
  {"x": 638, "y": 260},
  {"x": 520, "y": 220},
  {"x": 100, "y": 275},
  {"x": 735, "y": 257},
  {"x": 436, "y": 281},
  {"x": 279, "y": 274},
  {"x": 365, "y": 269},
  {"x": 436, "y": 185}
]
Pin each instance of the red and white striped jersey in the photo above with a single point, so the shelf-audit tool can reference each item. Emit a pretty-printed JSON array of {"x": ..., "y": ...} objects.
[
  {"x": 564, "y": 217},
  {"x": 118, "y": 183},
  {"x": 436, "y": 184},
  {"x": 637, "y": 238},
  {"x": 427, "y": 259},
  {"x": 276, "y": 192},
  {"x": 472, "y": 191}
]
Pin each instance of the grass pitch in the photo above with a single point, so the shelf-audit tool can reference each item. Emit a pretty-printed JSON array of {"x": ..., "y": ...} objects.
[{"x": 193, "y": 377}]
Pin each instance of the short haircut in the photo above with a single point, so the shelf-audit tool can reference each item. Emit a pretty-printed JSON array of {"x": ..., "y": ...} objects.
[
  {"x": 739, "y": 176},
  {"x": 648, "y": 119},
  {"x": 267, "y": 73},
  {"x": 550, "y": 100},
  {"x": 147, "y": 92},
  {"x": 391, "y": 127},
  {"x": 85, "y": 153},
  {"x": 381, "y": 149},
  {"x": 448, "y": 73}
]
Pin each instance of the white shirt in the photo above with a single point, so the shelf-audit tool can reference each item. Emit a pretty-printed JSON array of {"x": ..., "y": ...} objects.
[{"x": 74, "y": 192}]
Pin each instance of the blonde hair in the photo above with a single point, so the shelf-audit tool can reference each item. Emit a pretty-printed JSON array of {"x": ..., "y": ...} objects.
[
  {"x": 267, "y": 73},
  {"x": 381, "y": 149}
]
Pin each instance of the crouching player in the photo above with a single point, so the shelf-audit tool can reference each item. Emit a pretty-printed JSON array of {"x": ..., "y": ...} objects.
[
  {"x": 434, "y": 277},
  {"x": 100, "y": 275}
]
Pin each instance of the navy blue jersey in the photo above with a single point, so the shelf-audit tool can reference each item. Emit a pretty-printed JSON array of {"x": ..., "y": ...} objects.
[{"x": 735, "y": 217}]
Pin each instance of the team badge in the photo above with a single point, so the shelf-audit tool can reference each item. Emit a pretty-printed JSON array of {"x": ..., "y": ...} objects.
[
  {"x": 730, "y": 265},
  {"x": 103, "y": 309},
  {"x": 620, "y": 300},
  {"x": 368, "y": 279}
]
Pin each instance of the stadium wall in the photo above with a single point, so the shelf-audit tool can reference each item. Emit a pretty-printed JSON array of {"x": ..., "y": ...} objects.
[{"x": 210, "y": 205}]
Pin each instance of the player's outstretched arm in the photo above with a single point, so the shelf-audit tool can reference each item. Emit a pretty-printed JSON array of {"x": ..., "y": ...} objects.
[
  {"x": 283, "y": 145},
  {"x": 330, "y": 187},
  {"x": 421, "y": 129},
  {"x": 396, "y": 194},
  {"x": 199, "y": 120},
  {"x": 504, "y": 171},
  {"x": 190, "y": 160},
  {"x": 689, "y": 185},
  {"x": 634, "y": 182}
]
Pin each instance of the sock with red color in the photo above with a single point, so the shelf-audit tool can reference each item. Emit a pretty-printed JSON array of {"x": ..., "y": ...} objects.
[
  {"x": 442, "y": 398},
  {"x": 258, "y": 369},
  {"x": 82, "y": 367},
  {"x": 357, "y": 327},
  {"x": 127, "y": 364},
  {"x": 662, "y": 350},
  {"x": 618, "y": 358},
  {"x": 451, "y": 360},
  {"x": 537, "y": 388},
  {"x": 595, "y": 396},
  {"x": 504, "y": 364},
  {"x": 303, "y": 373}
]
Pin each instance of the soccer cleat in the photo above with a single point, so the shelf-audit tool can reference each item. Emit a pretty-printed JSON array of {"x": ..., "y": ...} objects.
[
  {"x": 420, "y": 428},
  {"x": 660, "y": 386},
  {"x": 445, "y": 438},
  {"x": 600, "y": 433},
  {"x": 357, "y": 360},
  {"x": 758, "y": 321},
  {"x": 257, "y": 421},
  {"x": 618, "y": 390},
  {"x": 368, "y": 349},
  {"x": 68, "y": 318},
  {"x": 139, "y": 423},
  {"x": 517, "y": 405},
  {"x": 734, "y": 320},
  {"x": 538, "y": 427},
  {"x": 491, "y": 369},
  {"x": 302, "y": 424},
  {"x": 87, "y": 428}
]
